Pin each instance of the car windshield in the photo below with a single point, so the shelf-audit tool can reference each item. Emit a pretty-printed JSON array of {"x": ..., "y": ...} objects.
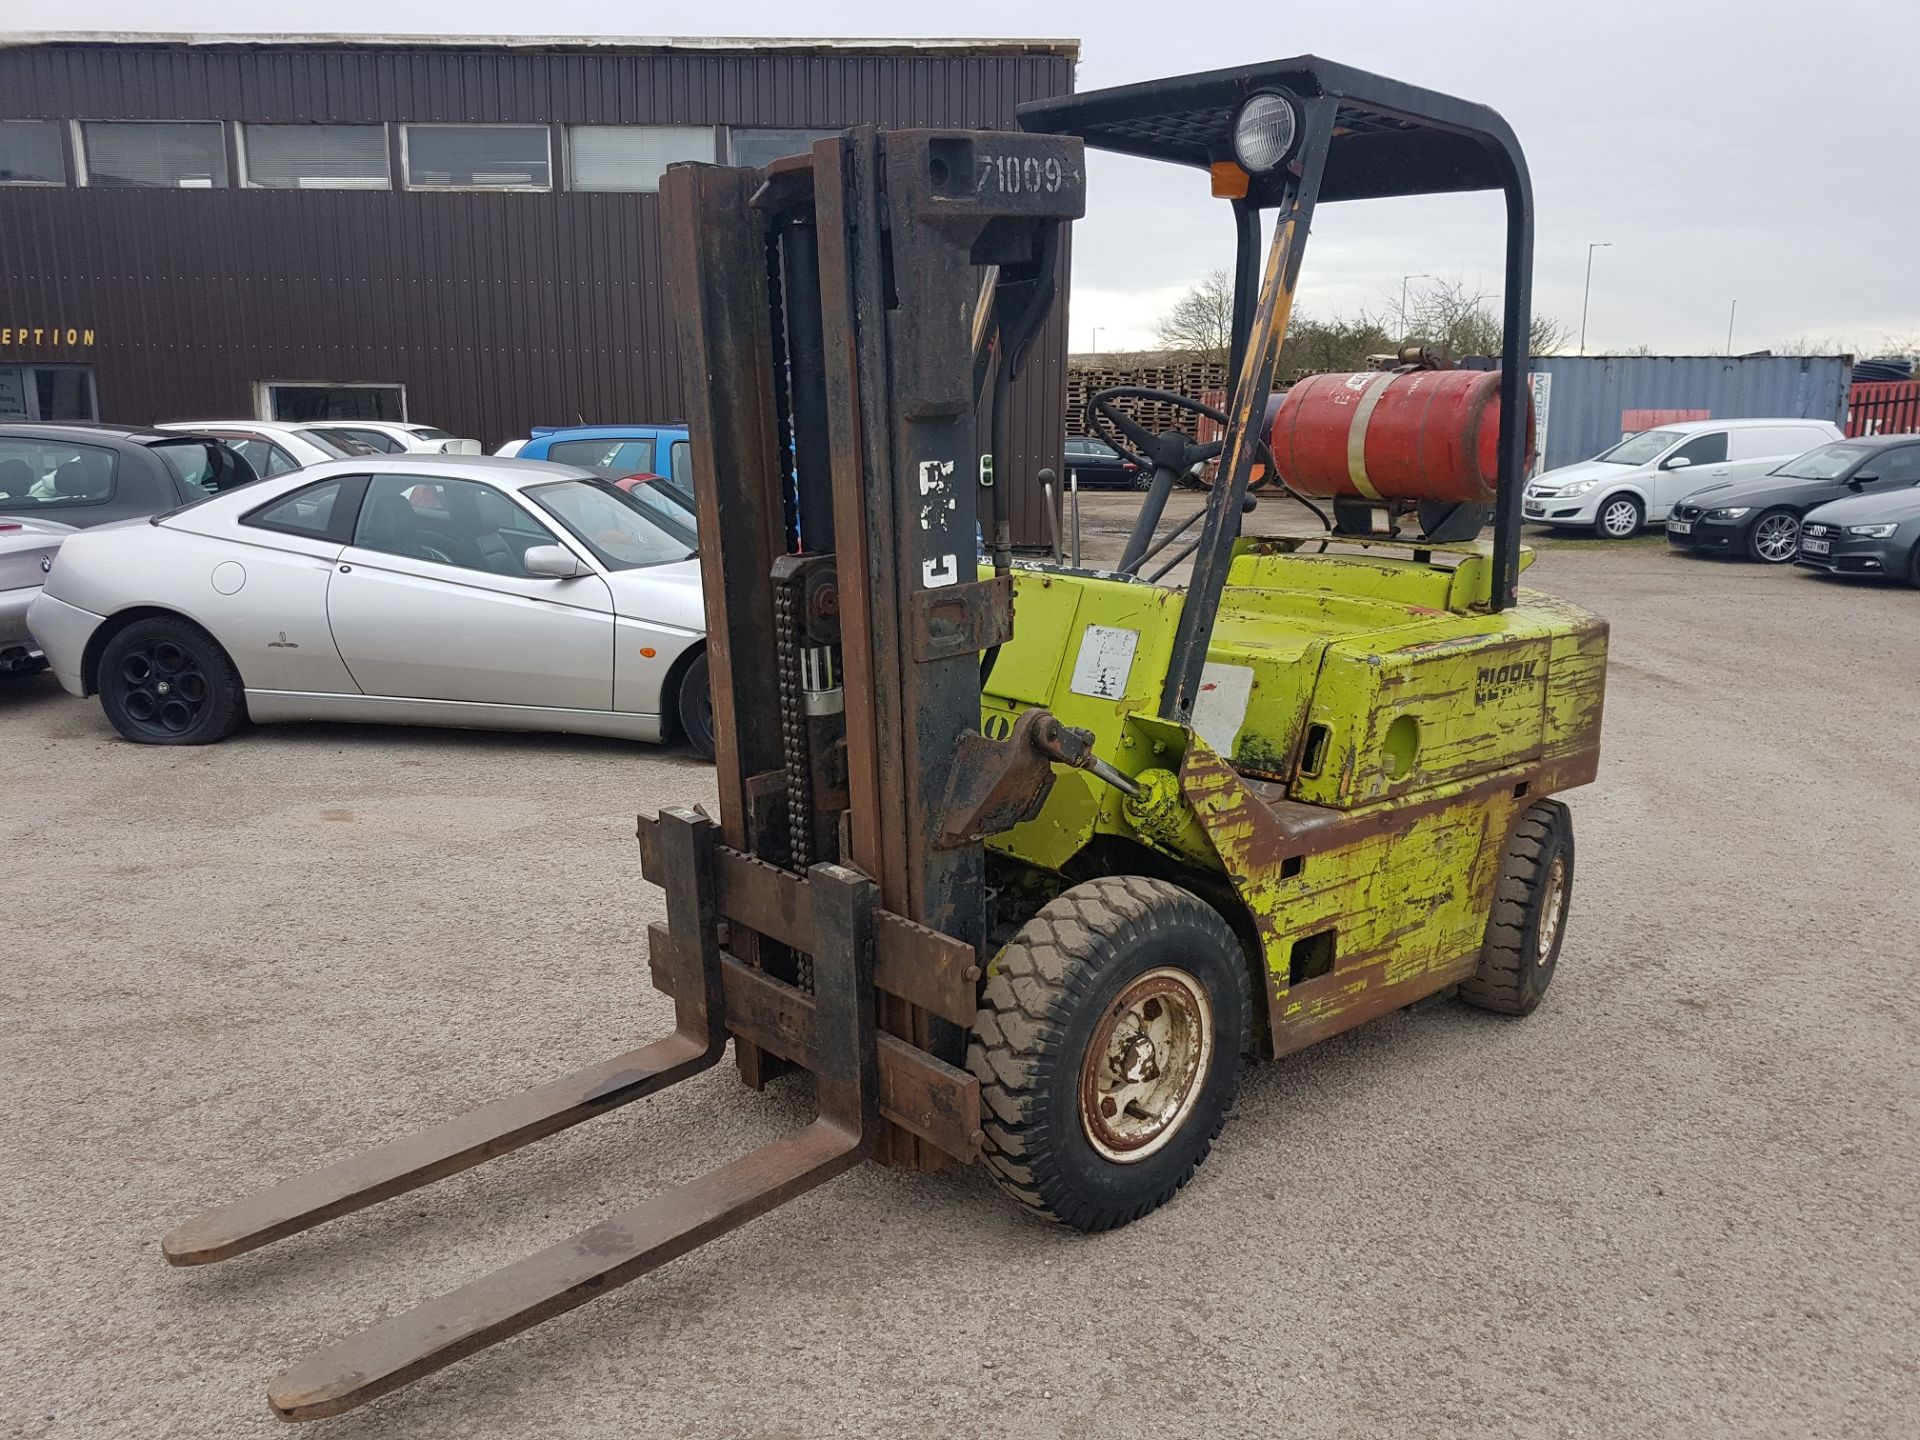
[
  {"x": 1639, "y": 449},
  {"x": 340, "y": 448},
  {"x": 661, "y": 497},
  {"x": 205, "y": 465},
  {"x": 1829, "y": 462},
  {"x": 621, "y": 533},
  {"x": 613, "y": 458}
]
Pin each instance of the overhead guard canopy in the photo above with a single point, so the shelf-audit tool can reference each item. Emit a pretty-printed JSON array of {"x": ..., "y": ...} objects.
[{"x": 1388, "y": 138}]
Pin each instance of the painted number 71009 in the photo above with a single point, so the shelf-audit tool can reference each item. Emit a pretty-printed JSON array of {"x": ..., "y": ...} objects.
[{"x": 1021, "y": 175}]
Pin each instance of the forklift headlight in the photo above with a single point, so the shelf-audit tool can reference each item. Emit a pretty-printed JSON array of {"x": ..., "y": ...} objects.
[{"x": 1264, "y": 131}]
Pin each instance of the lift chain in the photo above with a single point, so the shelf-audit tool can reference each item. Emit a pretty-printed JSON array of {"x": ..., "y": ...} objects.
[{"x": 782, "y": 396}]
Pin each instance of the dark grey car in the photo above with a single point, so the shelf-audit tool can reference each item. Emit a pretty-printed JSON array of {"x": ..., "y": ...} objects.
[
  {"x": 1760, "y": 517},
  {"x": 85, "y": 475}
]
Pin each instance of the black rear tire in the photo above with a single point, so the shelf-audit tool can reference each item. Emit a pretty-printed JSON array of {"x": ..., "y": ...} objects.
[
  {"x": 695, "y": 704},
  {"x": 167, "y": 682},
  {"x": 1121, "y": 992},
  {"x": 1529, "y": 919}
]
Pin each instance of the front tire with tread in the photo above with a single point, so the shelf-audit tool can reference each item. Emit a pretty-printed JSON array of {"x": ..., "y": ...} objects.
[{"x": 1050, "y": 992}]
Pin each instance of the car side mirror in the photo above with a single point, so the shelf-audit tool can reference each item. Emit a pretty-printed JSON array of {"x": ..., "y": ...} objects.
[
  {"x": 1678, "y": 462},
  {"x": 1865, "y": 477},
  {"x": 555, "y": 562}
]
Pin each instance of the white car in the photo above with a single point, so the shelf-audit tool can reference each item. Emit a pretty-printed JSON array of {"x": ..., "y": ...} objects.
[
  {"x": 393, "y": 438},
  {"x": 1640, "y": 480},
  {"x": 271, "y": 447},
  {"x": 418, "y": 589}
]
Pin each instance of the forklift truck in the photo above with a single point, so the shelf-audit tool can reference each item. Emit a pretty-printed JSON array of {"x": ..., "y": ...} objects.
[{"x": 1019, "y": 861}]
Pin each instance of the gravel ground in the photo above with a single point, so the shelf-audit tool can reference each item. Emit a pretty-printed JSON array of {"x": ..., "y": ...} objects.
[{"x": 1678, "y": 1201}]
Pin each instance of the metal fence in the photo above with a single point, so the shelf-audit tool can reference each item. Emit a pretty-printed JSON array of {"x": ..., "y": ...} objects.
[{"x": 1884, "y": 409}]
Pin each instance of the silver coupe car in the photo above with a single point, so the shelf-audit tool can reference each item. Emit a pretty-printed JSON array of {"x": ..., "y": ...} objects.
[{"x": 404, "y": 589}]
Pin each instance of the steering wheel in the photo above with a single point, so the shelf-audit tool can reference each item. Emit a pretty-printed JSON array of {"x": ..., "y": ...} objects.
[{"x": 1173, "y": 450}]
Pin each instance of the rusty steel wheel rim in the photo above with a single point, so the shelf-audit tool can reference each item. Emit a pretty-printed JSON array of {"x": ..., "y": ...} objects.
[
  {"x": 1144, "y": 1069},
  {"x": 1553, "y": 910}
]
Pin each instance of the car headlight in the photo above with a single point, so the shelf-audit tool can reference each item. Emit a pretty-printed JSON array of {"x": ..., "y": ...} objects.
[
  {"x": 1264, "y": 131},
  {"x": 1579, "y": 487},
  {"x": 1872, "y": 532},
  {"x": 1731, "y": 512}
]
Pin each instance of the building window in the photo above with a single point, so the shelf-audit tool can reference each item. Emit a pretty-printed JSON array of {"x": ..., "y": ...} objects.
[
  {"x": 759, "y": 147},
  {"x": 478, "y": 157},
  {"x": 315, "y": 157},
  {"x": 175, "y": 155},
  {"x": 47, "y": 392},
  {"x": 632, "y": 157},
  {"x": 31, "y": 153},
  {"x": 300, "y": 401}
]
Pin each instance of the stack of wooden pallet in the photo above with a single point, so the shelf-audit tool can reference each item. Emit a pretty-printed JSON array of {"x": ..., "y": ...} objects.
[{"x": 1089, "y": 374}]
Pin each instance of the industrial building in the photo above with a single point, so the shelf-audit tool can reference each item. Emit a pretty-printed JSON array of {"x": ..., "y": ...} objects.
[{"x": 464, "y": 232}]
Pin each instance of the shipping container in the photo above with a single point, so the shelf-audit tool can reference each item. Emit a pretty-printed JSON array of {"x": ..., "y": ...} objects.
[{"x": 1584, "y": 403}]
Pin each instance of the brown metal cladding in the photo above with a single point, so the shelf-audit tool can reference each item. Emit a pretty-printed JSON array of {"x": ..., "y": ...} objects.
[{"x": 497, "y": 310}]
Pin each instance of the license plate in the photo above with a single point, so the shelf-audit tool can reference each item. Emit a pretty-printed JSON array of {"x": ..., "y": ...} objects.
[
  {"x": 1680, "y": 527},
  {"x": 1815, "y": 547},
  {"x": 1533, "y": 509}
]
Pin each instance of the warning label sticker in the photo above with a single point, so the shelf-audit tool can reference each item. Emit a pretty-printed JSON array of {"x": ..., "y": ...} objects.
[{"x": 1105, "y": 659}]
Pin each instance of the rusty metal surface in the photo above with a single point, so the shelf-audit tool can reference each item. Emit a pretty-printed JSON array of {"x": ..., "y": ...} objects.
[
  {"x": 962, "y": 619},
  {"x": 994, "y": 785},
  {"x": 842, "y": 1053},
  {"x": 715, "y": 246},
  {"x": 435, "y": 1335},
  {"x": 1257, "y": 831},
  {"x": 446, "y": 1149},
  {"x": 684, "y": 862},
  {"x": 931, "y": 970},
  {"x": 936, "y": 1101}
]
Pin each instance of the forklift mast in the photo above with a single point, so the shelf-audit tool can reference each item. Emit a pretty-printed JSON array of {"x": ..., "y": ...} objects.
[{"x": 850, "y": 314}]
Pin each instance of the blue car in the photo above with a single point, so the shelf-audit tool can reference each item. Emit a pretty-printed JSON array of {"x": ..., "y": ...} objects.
[{"x": 653, "y": 463}]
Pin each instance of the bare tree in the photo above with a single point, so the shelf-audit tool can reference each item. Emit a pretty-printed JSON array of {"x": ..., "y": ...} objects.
[
  {"x": 1201, "y": 321},
  {"x": 1450, "y": 314},
  {"x": 1316, "y": 347},
  {"x": 1467, "y": 321}
]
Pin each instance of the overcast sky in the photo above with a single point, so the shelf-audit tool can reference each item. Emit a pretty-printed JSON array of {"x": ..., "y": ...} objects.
[{"x": 1752, "y": 150}]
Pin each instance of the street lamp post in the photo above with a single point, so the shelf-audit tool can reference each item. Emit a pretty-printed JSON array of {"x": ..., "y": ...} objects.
[
  {"x": 1588, "y": 290},
  {"x": 1730, "y": 313},
  {"x": 1096, "y": 339},
  {"x": 1403, "y": 302}
]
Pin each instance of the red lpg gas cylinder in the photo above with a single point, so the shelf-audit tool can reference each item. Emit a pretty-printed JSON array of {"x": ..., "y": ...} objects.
[{"x": 1394, "y": 435}]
